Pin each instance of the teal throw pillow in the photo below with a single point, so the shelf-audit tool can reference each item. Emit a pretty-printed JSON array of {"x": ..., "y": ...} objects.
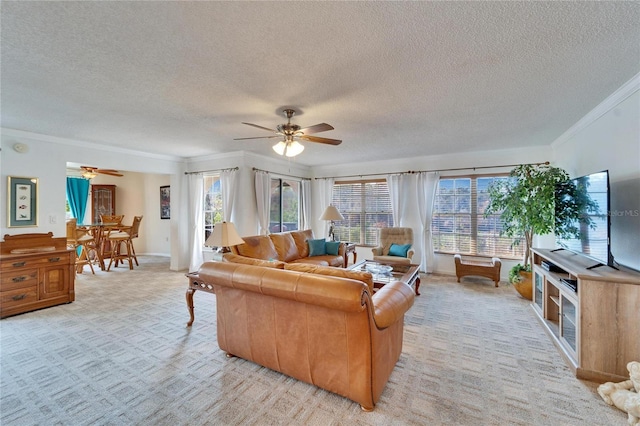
[
  {"x": 317, "y": 247},
  {"x": 332, "y": 247},
  {"x": 399, "y": 250}
]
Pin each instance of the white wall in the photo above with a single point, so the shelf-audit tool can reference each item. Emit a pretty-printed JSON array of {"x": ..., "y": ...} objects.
[
  {"x": 608, "y": 138},
  {"x": 47, "y": 158}
]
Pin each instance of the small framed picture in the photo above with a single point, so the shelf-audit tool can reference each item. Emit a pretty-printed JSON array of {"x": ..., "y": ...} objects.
[
  {"x": 165, "y": 202},
  {"x": 23, "y": 202}
]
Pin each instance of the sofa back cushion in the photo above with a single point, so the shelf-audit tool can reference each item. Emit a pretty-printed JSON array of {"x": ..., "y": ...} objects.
[
  {"x": 258, "y": 247},
  {"x": 285, "y": 246},
  {"x": 301, "y": 237},
  {"x": 234, "y": 258},
  {"x": 365, "y": 277}
]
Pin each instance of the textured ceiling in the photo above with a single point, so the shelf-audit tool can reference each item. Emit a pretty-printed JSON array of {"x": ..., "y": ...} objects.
[{"x": 395, "y": 79}]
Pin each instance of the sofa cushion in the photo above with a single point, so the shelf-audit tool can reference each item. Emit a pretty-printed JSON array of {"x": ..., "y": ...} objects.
[
  {"x": 365, "y": 277},
  {"x": 234, "y": 258},
  {"x": 301, "y": 237},
  {"x": 285, "y": 246},
  {"x": 332, "y": 247},
  {"x": 399, "y": 250},
  {"x": 317, "y": 247},
  {"x": 258, "y": 247}
]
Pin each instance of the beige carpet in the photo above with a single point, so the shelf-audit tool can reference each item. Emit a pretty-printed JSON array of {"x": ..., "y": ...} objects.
[{"x": 121, "y": 355}]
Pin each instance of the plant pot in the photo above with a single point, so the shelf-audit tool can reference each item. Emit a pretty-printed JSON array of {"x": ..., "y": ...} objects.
[{"x": 525, "y": 286}]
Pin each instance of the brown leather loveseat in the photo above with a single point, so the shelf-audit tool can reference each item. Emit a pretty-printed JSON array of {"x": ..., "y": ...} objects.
[
  {"x": 324, "y": 330},
  {"x": 289, "y": 247}
]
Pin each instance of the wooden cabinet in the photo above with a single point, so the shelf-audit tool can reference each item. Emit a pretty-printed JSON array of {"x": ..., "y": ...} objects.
[
  {"x": 36, "y": 272},
  {"x": 103, "y": 201},
  {"x": 595, "y": 326}
]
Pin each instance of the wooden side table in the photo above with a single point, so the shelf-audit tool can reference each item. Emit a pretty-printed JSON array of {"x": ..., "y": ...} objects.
[
  {"x": 350, "y": 248},
  {"x": 195, "y": 283}
]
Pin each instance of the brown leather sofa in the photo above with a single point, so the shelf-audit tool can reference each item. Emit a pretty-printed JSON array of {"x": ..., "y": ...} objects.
[
  {"x": 325, "y": 330},
  {"x": 289, "y": 247}
]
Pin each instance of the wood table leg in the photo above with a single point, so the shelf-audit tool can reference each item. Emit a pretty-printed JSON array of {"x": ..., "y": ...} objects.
[
  {"x": 189, "y": 296},
  {"x": 417, "y": 286}
]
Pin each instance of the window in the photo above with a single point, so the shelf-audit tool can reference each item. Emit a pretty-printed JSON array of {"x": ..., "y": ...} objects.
[
  {"x": 458, "y": 222},
  {"x": 212, "y": 203},
  {"x": 366, "y": 207},
  {"x": 284, "y": 210}
]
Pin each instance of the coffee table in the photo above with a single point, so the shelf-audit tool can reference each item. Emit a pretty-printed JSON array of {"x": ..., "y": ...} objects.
[{"x": 405, "y": 272}]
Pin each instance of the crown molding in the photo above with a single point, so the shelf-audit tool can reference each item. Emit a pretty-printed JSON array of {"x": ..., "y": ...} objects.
[
  {"x": 83, "y": 144},
  {"x": 612, "y": 101}
]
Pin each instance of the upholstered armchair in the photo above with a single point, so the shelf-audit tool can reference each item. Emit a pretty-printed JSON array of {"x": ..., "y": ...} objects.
[{"x": 402, "y": 241}]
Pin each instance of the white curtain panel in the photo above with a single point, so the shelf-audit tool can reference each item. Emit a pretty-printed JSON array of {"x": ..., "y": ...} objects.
[
  {"x": 228, "y": 185},
  {"x": 305, "y": 204},
  {"x": 196, "y": 191},
  {"x": 393, "y": 183},
  {"x": 427, "y": 184},
  {"x": 326, "y": 194},
  {"x": 263, "y": 192}
]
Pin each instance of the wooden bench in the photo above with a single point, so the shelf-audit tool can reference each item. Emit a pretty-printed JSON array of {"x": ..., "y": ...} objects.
[{"x": 480, "y": 268}]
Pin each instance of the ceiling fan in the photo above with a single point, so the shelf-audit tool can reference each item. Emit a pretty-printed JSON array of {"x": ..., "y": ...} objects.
[
  {"x": 291, "y": 133},
  {"x": 89, "y": 172}
]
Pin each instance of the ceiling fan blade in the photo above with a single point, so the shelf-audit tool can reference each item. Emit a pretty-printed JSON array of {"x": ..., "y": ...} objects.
[
  {"x": 322, "y": 127},
  {"x": 320, "y": 140},
  {"x": 259, "y": 127},
  {"x": 108, "y": 172},
  {"x": 257, "y": 137}
]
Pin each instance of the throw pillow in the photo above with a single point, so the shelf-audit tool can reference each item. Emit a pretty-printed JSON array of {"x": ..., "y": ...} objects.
[
  {"x": 317, "y": 247},
  {"x": 399, "y": 250},
  {"x": 332, "y": 247}
]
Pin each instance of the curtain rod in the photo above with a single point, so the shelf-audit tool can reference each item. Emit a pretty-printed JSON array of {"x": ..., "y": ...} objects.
[
  {"x": 546, "y": 163},
  {"x": 255, "y": 169},
  {"x": 215, "y": 170}
]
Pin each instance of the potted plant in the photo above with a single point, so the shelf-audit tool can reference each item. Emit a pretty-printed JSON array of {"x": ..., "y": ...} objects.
[{"x": 527, "y": 204}]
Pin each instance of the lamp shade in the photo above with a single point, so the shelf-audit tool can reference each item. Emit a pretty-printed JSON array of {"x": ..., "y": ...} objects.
[
  {"x": 294, "y": 148},
  {"x": 224, "y": 235},
  {"x": 331, "y": 213},
  {"x": 280, "y": 147},
  {"x": 290, "y": 148}
]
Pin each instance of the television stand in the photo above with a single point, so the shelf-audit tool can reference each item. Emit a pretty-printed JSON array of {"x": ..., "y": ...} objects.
[{"x": 595, "y": 327}]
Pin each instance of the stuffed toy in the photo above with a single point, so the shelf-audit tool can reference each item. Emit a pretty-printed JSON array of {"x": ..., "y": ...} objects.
[{"x": 625, "y": 395}]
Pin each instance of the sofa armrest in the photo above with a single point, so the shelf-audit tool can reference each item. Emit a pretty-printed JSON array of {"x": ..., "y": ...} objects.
[
  {"x": 391, "y": 302},
  {"x": 377, "y": 251},
  {"x": 342, "y": 248}
]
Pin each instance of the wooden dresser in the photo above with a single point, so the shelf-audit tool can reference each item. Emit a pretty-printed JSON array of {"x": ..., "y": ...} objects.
[{"x": 36, "y": 271}]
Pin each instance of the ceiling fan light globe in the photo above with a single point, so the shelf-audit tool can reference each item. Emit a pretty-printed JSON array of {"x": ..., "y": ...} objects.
[
  {"x": 294, "y": 149},
  {"x": 280, "y": 147}
]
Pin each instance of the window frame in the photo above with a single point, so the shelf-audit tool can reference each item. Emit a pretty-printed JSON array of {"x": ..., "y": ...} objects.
[
  {"x": 208, "y": 228},
  {"x": 281, "y": 223},
  {"x": 363, "y": 214},
  {"x": 475, "y": 217}
]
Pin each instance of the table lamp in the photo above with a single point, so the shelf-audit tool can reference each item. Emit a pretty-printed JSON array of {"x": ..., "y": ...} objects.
[
  {"x": 224, "y": 235},
  {"x": 331, "y": 213}
]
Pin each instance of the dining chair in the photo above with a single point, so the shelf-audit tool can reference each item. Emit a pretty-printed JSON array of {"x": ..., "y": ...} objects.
[
  {"x": 119, "y": 241},
  {"x": 110, "y": 223},
  {"x": 115, "y": 219},
  {"x": 133, "y": 233},
  {"x": 122, "y": 243},
  {"x": 82, "y": 243}
]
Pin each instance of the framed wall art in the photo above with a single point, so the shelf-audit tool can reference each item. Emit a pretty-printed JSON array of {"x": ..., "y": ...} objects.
[
  {"x": 165, "y": 202},
  {"x": 23, "y": 202}
]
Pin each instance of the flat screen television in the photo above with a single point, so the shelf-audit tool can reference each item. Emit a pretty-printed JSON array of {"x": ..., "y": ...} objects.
[{"x": 592, "y": 194}]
